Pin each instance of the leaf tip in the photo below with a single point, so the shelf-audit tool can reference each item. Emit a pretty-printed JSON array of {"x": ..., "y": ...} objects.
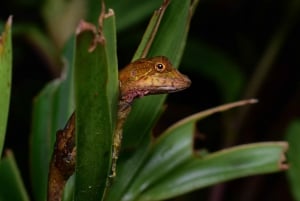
[
  {"x": 283, "y": 161},
  {"x": 253, "y": 101},
  {"x": 103, "y": 15},
  {"x": 109, "y": 13},
  {"x": 165, "y": 3},
  {"x": 9, "y": 21},
  {"x": 85, "y": 26},
  {"x": 5, "y": 32},
  {"x": 8, "y": 153}
]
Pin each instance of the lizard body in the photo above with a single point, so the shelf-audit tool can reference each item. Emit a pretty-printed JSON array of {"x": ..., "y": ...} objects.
[{"x": 140, "y": 78}]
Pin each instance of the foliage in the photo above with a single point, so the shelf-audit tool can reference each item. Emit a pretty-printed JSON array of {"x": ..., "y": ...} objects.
[
  {"x": 5, "y": 77},
  {"x": 292, "y": 136},
  {"x": 170, "y": 165}
]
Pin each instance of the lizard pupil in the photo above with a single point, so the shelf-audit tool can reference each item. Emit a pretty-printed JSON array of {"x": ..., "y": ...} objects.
[{"x": 160, "y": 67}]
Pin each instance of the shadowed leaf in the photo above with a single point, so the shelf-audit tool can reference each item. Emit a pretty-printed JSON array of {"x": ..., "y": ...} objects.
[
  {"x": 11, "y": 184},
  {"x": 293, "y": 137}
]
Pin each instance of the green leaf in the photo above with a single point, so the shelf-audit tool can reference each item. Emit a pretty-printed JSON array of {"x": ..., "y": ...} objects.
[
  {"x": 171, "y": 168},
  {"x": 164, "y": 153},
  {"x": 150, "y": 163},
  {"x": 11, "y": 185},
  {"x": 228, "y": 164},
  {"x": 293, "y": 174},
  {"x": 51, "y": 110},
  {"x": 69, "y": 189},
  {"x": 5, "y": 78},
  {"x": 96, "y": 95}
]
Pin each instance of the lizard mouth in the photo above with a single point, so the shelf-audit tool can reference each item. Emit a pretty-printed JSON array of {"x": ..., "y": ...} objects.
[
  {"x": 169, "y": 89},
  {"x": 177, "y": 85}
]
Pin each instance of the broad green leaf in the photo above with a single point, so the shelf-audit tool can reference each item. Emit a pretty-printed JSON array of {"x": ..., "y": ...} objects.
[
  {"x": 164, "y": 153},
  {"x": 96, "y": 94},
  {"x": 293, "y": 174},
  {"x": 11, "y": 185},
  {"x": 51, "y": 110},
  {"x": 172, "y": 149},
  {"x": 5, "y": 77},
  {"x": 171, "y": 167},
  {"x": 224, "y": 165}
]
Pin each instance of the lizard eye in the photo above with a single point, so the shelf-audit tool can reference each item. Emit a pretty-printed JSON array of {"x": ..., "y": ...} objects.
[{"x": 160, "y": 67}]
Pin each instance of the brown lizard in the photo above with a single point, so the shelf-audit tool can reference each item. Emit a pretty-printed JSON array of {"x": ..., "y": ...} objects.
[{"x": 140, "y": 78}]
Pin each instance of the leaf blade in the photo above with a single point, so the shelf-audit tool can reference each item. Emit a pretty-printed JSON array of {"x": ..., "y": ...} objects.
[
  {"x": 51, "y": 110},
  {"x": 11, "y": 185},
  {"x": 171, "y": 150},
  {"x": 292, "y": 136},
  {"x": 5, "y": 77},
  {"x": 224, "y": 165},
  {"x": 96, "y": 95}
]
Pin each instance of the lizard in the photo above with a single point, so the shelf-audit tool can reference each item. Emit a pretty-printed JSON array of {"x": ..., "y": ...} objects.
[{"x": 146, "y": 76}]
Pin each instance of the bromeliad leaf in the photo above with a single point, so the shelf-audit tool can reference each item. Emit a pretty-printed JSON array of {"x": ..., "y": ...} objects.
[
  {"x": 171, "y": 168},
  {"x": 11, "y": 184},
  {"x": 5, "y": 77},
  {"x": 96, "y": 94}
]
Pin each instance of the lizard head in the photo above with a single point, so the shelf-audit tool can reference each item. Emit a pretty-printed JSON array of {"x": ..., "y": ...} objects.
[{"x": 150, "y": 76}]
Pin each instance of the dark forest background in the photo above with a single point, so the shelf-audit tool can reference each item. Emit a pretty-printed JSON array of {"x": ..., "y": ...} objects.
[{"x": 235, "y": 50}]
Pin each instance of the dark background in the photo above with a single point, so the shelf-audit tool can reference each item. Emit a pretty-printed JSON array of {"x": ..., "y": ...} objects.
[{"x": 250, "y": 45}]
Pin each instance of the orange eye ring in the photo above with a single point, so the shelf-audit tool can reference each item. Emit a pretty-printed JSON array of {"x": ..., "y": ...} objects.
[{"x": 160, "y": 67}]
